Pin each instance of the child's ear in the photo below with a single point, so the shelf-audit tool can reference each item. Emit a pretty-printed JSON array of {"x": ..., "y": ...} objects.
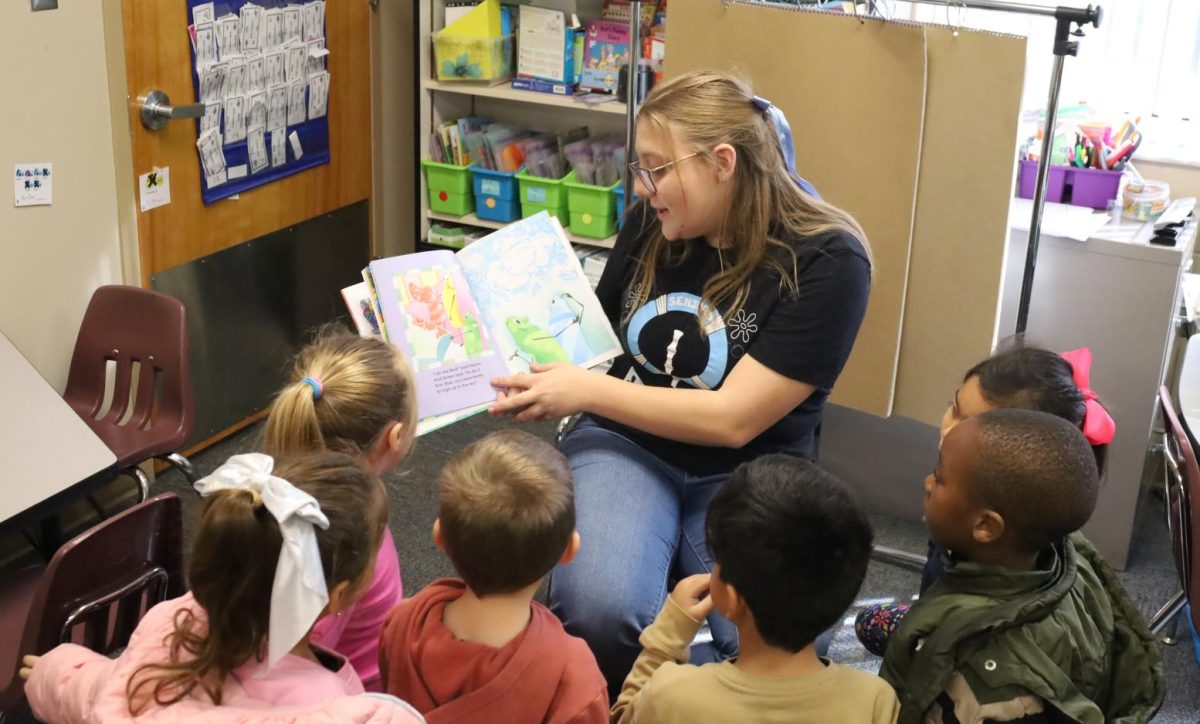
[
  {"x": 399, "y": 439},
  {"x": 437, "y": 535},
  {"x": 988, "y": 528},
  {"x": 340, "y": 598},
  {"x": 571, "y": 550},
  {"x": 725, "y": 597}
]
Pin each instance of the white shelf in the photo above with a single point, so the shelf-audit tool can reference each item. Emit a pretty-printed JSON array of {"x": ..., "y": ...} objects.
[
  {"x": 504, "y": 91},
  {"x": 473, "y": 220}
]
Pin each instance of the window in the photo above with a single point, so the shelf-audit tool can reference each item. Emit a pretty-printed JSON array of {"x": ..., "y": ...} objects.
[{"x": 1144, "y": 60}]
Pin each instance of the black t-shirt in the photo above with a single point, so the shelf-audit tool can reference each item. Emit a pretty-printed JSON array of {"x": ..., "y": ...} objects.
[{"x": 806, "y": 336}]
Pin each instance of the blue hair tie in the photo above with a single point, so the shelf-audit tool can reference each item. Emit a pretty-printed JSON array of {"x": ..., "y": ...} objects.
[
  {"x": 783, "y": 132},
  {"x": 317, "y": 388}
]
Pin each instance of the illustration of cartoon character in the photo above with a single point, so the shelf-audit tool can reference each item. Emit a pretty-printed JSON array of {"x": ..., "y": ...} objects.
[
  {"x": 566, "y": 315},
  {"x": 368, "y": 312},
  {"x": 472, "y": 340},
  {"x": 535, "y": 341}
]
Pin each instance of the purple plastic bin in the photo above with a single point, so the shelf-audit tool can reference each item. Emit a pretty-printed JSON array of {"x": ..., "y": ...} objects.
[
  {"x": 1091, "y": 187},
  {"x": 1027, "y": 181}
]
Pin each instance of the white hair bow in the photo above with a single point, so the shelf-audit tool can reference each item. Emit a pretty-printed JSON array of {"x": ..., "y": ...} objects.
[{"x": 299, "y": 593}]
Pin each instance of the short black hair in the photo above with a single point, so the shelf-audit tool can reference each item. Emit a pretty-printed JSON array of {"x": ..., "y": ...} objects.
[
  {"x": 794, "y": 542},
  {"x": 1031, "y": 378},
  {"x": 1037, "y": 471}
]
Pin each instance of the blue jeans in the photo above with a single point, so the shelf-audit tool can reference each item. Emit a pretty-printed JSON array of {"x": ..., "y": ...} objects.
[{"x": 637, "y": 517}]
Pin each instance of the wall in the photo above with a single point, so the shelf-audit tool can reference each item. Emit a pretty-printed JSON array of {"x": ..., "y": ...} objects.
[
  {"x": 57, "y": 83},
  {"x": 393, "y": 106}
]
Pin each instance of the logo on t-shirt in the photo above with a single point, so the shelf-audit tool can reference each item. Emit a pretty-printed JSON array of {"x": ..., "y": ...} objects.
[{"x": 665, "y": 337}]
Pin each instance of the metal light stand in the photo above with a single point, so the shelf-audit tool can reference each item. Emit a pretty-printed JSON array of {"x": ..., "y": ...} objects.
[
  {"x": 1063, "y": 46},
  {"x": 631, "y": 98}
]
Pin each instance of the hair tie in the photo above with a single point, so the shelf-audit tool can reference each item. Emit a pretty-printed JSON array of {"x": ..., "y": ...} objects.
[
  {"x": 299, "y": 593},
  {"x": 317, "y": 387},
  {"x": 783, "y": 133},
  {"x": 1098, "y": 426}
]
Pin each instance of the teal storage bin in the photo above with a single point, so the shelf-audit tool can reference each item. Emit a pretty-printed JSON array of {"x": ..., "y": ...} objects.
[
  {"x": 619, "y": 191},
  {"x": 496, "y": 195}
]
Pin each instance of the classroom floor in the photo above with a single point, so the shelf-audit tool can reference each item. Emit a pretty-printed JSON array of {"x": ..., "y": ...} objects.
[{"x": 1150, "y": 579}]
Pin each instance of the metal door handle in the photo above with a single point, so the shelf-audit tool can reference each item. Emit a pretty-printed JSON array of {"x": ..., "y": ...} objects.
[{"x": 156, "y": 109}]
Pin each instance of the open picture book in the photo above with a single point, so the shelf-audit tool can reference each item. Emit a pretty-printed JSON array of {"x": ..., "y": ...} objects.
[{"x": 512, "y": 299}]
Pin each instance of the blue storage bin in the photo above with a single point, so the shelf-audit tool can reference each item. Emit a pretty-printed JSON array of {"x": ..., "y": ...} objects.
[
  {"x": 496, "y": 197},
  {"x": 620, "y": 192}
]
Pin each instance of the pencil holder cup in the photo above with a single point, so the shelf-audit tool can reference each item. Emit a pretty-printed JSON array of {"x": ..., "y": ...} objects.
[
  {"x": 496, "y": 195},
  {"x": 449, "y": 188},
  {"x": 592, "y": 208}
]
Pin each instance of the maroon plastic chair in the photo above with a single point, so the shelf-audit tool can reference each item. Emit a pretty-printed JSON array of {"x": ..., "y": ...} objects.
[
  {"x": 95, "y": 589},
  {"x": 144, "y": 335},
  {"x": 1182, "y": 489}
]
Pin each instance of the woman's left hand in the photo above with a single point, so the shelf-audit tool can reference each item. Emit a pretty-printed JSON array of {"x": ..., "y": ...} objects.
[{"x": 548, "y": 393}]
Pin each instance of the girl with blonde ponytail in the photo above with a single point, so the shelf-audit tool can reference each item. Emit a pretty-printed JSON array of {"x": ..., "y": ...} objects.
[
  {"x": 352, "y": 395},
  {"x": 738, "y": 294}
]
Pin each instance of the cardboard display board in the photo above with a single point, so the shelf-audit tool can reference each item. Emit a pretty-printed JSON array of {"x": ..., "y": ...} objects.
[
  {"x": 963, "y": 194},
  {"x": 854, "y": 95}
]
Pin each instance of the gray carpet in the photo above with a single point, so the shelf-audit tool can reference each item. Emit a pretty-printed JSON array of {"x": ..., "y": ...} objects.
[{"x": 1150, "y": 580}]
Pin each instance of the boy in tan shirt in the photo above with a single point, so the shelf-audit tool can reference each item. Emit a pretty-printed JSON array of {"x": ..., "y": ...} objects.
[{"x": 791, "y": 547}]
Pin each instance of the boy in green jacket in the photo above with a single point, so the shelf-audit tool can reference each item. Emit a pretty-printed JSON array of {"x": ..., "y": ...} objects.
[{"x": 1029, "y": 624}]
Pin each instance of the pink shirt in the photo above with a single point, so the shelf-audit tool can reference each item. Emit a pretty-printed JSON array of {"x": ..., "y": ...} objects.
[
  {"x": 354, "y": 633},
  {"x": 72, "y": 684}
]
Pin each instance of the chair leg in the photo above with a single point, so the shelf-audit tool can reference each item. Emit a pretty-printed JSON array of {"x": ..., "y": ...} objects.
[
  {"x": 185, "y": 466},
  {"x": 143, "y": 482},
  {"x": 1166, "y": 615},
  {"x": 898, "y": 557}
]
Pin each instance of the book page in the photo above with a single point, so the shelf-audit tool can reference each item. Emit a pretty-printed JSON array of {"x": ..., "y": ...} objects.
[
  {"x": 535, "y": 298},
  {"x": 430, "y": 314}
]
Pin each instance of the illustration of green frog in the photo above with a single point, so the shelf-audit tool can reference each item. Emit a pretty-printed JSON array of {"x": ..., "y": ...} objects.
[
  {"x": 535, "y": 341},
  {"x": 471, "y": 338}
]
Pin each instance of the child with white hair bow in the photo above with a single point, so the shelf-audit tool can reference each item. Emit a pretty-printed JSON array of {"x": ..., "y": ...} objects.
[{"x": 276, "y": 549}]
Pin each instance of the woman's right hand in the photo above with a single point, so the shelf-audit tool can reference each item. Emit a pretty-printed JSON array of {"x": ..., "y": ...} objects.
[{"x": 691, "y": 595}]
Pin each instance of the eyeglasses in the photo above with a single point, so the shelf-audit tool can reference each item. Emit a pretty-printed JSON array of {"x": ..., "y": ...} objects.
[{"x": 647, "y": 175}]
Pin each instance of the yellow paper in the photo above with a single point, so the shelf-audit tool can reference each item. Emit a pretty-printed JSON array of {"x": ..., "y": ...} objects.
[{"x": 481, "y": 22}]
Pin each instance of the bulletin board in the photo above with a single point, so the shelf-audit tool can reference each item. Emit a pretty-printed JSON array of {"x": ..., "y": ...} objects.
[
  {"x": 854, "y": 95},
  {"x": 260, "y": 69}
]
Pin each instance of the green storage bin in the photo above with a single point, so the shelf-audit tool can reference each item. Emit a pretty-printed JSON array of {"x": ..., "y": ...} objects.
[
  {"x": 544, "y": 192},
  {"x": 593, "y": 209},
  {"x": 559, "y": 212},
  {"x": 449, "y": 187}
]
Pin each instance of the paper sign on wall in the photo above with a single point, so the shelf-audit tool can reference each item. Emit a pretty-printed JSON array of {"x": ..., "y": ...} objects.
[
  {"x": 154, "y": 188},
  {"x": 31, "y": 184}
]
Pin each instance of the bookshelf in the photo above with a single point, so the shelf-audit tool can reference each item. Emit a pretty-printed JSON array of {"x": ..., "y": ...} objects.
[
  {"x": 473, "y": 220},
  {"x": 438, "y": 101}
]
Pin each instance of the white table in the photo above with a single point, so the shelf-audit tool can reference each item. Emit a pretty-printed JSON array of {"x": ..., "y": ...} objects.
[
  {"x": 47, "y": 453},
  {"x": 1188, "y": 395}
]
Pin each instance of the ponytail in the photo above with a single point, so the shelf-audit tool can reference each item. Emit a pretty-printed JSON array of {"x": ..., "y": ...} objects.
[
  {"x": 232, "y": 574},
  {"x": 343, "y": 392}
]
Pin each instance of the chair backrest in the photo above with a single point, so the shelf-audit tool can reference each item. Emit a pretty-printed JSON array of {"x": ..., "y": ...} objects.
[
  {"x": 1182, "y": 480},
  {"x": 97, "y": 586},
  {"x": 135, "y": 329}
]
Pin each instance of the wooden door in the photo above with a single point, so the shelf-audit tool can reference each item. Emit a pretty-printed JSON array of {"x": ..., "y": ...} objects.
[{"x": 157, "y": 53}]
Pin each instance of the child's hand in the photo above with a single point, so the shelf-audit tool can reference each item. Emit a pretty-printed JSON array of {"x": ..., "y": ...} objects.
[
  {"x": 691, "y": 595},
  {"x": 27, "y": 665}
]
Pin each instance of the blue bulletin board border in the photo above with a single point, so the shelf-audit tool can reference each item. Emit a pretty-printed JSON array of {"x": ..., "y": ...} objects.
[{"x": 313, "y": 134}]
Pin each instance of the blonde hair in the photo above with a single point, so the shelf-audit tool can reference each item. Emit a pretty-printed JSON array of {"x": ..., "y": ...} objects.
[
  {"x": 767, "y": 210},
  {"x": 366, "y": 384},
  {"x": 232, "y": 571},
  {"x": 506, "y": 510}
]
